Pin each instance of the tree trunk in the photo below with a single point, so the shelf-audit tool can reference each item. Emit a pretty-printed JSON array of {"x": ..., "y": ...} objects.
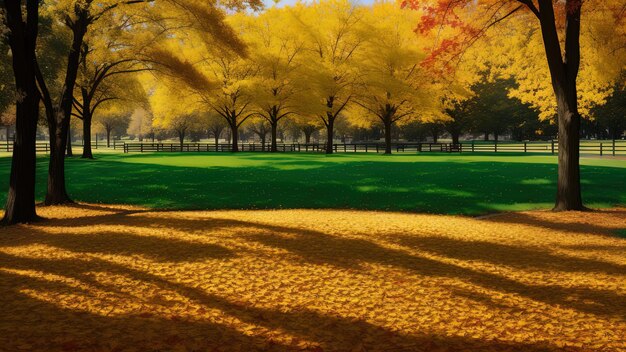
[
  {"x": 108, "y": 137},
  {"x": 486, "y": 136},
  {"x": 87, "y": 153},
  {"x": 274, "y": 147},
  {"x": 22, "y": 38},
  {"x": 568, "y": 186},
  {"x": 181, "y": 139},
  {"x": 387, "y": 124},
  {"x": 495, "y": 136},
  {"x": 59, "y": 120},
  {"x": 564, "y": 72},
  {"x": 307, "y": 136},
  {"x": 330, "y": 134},
  {"x": 455, "y": 137},
  {"x": 57, "y": 192},
  {"x": 435, "y": 136},
  {"x": 235, "y": 138},
  {"x": 69, "y": 143},
  {"x": 20, "y": 206}
]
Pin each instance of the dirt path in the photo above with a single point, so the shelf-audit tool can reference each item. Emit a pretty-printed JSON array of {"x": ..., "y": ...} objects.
[{"x": 99, "y": 278}]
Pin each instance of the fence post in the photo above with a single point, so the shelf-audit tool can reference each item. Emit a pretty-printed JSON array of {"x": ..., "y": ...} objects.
[
  {"x": 552, "y": 142},
  {"x": 525, "y": 147},
  {"x": 614, "y": 147},
  {"x": 600, "y": 149}
]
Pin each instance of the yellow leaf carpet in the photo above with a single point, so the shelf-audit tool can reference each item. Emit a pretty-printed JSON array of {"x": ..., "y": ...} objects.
[{"x": 113, "y": 278}]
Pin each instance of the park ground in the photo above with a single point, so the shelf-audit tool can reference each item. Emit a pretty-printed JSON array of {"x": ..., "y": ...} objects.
[
  {"x": 113, "y": 278},
  {"x": 408, "y": 276}
]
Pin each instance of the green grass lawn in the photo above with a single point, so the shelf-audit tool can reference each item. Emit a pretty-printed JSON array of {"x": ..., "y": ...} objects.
[{"x": 435, "y": 183}]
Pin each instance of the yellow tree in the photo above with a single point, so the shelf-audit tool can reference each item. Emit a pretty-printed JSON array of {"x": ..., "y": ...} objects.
[
  {"x": 330, "y": 29},
  {"x": 395, "y": 88},
  {"x": 221, "y": 78},
  {"x": 275, "y": 49},
  {"x": 141, "y": 124},
  {"x": 181, "y": 118}
]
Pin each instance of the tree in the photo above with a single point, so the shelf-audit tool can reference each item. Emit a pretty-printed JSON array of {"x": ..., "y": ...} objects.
[
  {"x": 458, "y": 120},
  {"x": 332, "y": 39},
  {"x": 612, "y": 114},
  {"x": 114, "y": 120},
  {"x": 471, "y": 19},
  {"x": 394, "y": 85},
  {"x": 181, "y": 118},
  {"x": 308, "y": 129},
  {"x": 7, "y": 120},
  {"x": 141, "y": 124},
  {"x": 105, "y": 56},
  {"x": 215, "y": 126},
  {"x": 261, "y": 128},
  {"x": 219, "y": 78},
  {"x": 21, "y": 24},
  {"x": 275, "y": 50}
]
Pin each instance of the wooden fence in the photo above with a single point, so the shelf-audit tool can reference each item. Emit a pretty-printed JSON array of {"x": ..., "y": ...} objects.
[
  {"x": 44, "y": 147},
  {"x": 613, "y": 148},
  {"x": 550, "y": 147}
]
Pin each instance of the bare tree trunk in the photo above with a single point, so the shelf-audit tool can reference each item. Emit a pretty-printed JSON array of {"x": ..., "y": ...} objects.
[{"x": 108, "y": 129}]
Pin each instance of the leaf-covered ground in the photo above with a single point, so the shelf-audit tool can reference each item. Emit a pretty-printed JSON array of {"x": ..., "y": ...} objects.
[{"x": 97, "y": 278}]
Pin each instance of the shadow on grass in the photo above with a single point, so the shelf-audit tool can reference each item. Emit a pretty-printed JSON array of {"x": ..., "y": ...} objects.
[
  {"x": 82, "y": 330},
  {"x": 433, "y": 184}
]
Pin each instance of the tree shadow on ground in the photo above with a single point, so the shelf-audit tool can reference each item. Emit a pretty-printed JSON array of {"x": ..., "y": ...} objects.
[
  {"x": 580, "y": 226},
  {"x": 47, "y": 326},
  {"x": 81, "y": 330}
]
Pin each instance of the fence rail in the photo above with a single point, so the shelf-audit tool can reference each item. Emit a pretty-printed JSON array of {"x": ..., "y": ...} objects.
[
  {"x": 550, "y": 147},
  {"x": 44, "y": 147},
  {"x": 602, "y": 148}
]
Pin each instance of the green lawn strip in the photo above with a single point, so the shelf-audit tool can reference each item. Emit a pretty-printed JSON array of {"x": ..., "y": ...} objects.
[{"x": 469, "y": 184}]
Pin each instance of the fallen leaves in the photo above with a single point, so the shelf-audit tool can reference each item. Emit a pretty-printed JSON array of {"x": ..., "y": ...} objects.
[{"x": 100, "y": 278}]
